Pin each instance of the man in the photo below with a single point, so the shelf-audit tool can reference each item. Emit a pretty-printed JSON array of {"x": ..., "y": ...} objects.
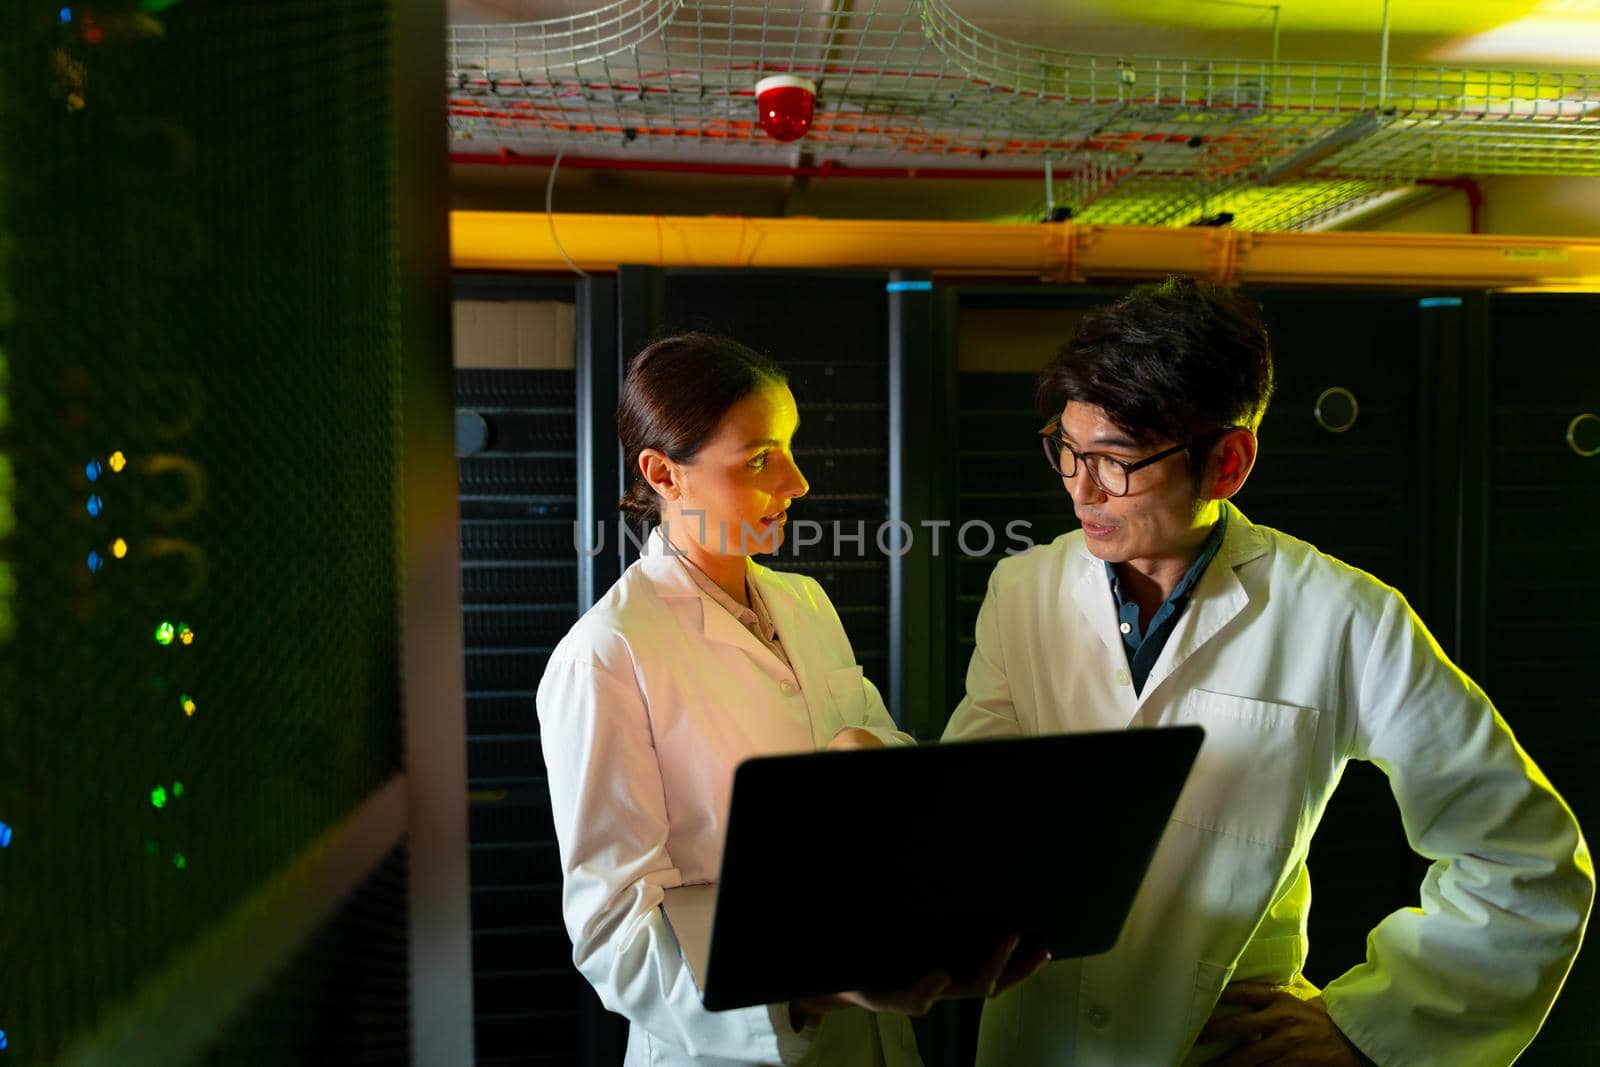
[{"x": 1170, "y": 607}]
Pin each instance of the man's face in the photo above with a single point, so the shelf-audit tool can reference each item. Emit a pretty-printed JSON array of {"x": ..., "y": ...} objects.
[{"x": 1162, "y": 517}]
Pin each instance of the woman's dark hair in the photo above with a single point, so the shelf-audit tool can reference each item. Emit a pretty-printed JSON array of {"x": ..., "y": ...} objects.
[
  {"x": 674, "y": 396},
  {"x": 1167, "y": 362}
]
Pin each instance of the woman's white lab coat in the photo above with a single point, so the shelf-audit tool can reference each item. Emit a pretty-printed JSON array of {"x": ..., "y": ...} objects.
[
  {"x": 645, "y": 709},
  {"x": 1293, "y": 663}
]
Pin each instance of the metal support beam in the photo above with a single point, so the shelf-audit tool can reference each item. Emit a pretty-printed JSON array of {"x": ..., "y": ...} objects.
[
  {"x": 640, "y": 315},
  {"x": 910, "y": 614},
  {"x": 921, "y": 457},
  {"x": 1453, "y": 411},
  {"x": 511, "y": 241},
  {"x": 600, "y": 478},
  {"x": 439, "y": 893}
]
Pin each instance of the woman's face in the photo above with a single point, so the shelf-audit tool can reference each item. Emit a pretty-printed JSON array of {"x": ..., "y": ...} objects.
[{"x": 732, "y": 497}]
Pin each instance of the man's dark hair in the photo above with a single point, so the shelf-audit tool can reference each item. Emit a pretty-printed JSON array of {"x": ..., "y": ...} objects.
[
  {"x": 674, "y": 396},
  {"x": 1167, "y": 362}
]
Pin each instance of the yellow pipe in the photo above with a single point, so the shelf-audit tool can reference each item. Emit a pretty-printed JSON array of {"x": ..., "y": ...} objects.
[{"x": 1060, "y": 252}]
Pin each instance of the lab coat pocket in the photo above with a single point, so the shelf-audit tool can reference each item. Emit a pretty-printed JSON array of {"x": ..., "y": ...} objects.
[
  {"x": 847, "y": 690},
  {"x": 1210, "y": 979},
  {"x": 1250, "y": 779}
]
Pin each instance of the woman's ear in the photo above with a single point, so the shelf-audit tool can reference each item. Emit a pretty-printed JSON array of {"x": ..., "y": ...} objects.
[
  {"x": 660, "y": 473},
  {"x": 1232, "y": 458}
]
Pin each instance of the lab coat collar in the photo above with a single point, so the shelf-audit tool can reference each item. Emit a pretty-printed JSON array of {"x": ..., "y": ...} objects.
[
  {"x": 1217, "y": 598},
  {"x": 1241, "y": 542},
  {"x": 665, "y": 569}
]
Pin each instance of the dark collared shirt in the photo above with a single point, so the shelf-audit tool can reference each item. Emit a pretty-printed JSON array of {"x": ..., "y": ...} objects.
[{"x": 1144, "y": 647}]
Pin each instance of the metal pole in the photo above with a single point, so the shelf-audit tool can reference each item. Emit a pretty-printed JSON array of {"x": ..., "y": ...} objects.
[
  {"x": 1049, "y": 190},
  {"x": 1383, "y": 62}
]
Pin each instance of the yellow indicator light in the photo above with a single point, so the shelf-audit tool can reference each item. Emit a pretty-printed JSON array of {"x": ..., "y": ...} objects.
[
  {"x": 185, "y": 634},
  {"x": 116, "y": 461},
  {"x": 188, "y": 704},
  {"x": 119, "y": 548}
]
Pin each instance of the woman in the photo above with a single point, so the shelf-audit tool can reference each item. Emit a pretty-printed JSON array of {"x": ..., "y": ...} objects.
[{"x": 696, "y": 659}]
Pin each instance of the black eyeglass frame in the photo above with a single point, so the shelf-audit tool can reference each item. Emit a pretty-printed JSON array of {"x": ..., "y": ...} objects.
[{"x": 1051, "y": 434}]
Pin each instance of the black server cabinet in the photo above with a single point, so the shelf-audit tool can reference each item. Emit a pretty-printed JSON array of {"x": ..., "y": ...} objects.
[
  {"x": 1538, "y": 575},
  {"x": 519, "y": 595},
  {"x": 532, "y": 448}
]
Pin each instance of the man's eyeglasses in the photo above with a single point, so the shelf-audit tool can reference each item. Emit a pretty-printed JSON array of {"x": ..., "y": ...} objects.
[{"x": 1111, "y": 474}]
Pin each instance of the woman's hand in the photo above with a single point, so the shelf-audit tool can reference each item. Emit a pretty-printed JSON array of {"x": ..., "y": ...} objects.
[
  {"x": 915, "y": 1000},
  {"x": 854, "y": 737},
  {"x": 1000, "y": 972}
]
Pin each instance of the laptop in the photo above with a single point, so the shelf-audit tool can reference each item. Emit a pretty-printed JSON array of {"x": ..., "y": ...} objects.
[{"x": 871, "y": 869}]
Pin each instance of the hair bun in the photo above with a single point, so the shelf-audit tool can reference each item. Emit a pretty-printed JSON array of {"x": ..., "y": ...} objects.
[{"x": 640, "y": 502}]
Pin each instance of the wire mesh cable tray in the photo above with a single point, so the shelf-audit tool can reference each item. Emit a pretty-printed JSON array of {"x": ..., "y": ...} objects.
[{"x": 909, "y": 79}]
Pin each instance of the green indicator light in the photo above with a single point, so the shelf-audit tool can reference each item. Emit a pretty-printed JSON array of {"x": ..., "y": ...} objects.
[
  {"x": 177, "y": 790},
  {"x": 180, "y": 861},
  {"x": 158, "y": 797},
  {"x": 165, "y": 633},
  {"x": 151, "y": 846}
]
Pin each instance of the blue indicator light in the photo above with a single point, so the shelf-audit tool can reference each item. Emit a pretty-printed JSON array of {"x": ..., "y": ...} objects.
[
  {"x": 95, "y": 505},
  {"x": 1439, "y": 302},
  {"x": 909, "y": 287},
  {"x": 96, "y": 561},
  {"x": 5, "y": 835},
  {"x": 66, "y": 17},
  {"x": 2, "y": 1039},
  {"x": 92, "y": 470}
]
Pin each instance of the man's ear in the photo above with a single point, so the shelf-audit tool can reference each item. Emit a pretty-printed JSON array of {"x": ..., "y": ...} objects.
[
  {"x": 660, "y": 473},
  {"x": 1232, "y": 459}
]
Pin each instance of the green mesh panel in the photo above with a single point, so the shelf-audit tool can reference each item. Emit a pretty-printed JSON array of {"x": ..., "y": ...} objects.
[{"x": 196, "y": 268}]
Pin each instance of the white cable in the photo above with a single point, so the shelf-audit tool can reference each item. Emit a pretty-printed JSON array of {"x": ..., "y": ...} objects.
[{"x": 550, "y": 215}]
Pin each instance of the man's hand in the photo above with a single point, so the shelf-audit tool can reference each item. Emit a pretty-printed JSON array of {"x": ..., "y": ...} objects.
[
  {"x": 854, "y": 737},
  {"x": 1279, "y": 1028}
]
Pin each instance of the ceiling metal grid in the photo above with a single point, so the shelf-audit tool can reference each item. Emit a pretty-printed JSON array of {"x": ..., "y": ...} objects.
[{"x": 1161, "y": 140}]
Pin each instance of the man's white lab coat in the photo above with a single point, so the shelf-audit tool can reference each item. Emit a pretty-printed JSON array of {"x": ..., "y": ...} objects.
[
  {"x": 645, "y": 709},
  {"x": 1294, "y": 663}
]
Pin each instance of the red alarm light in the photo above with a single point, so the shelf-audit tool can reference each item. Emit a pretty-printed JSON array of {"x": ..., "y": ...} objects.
[{"x": 785, "y": 103}]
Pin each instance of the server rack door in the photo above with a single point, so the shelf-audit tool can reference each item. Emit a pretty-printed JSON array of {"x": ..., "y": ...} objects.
[{"x": 1543, "y": 578}]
